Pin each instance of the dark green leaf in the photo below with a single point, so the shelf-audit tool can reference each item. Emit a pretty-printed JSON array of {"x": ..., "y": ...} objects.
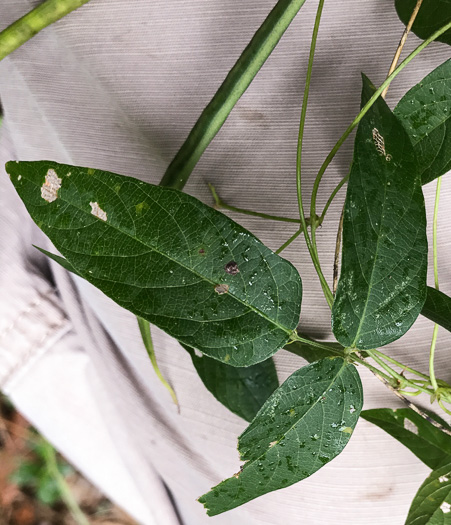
[
  {"x": 426, "y": 441},
  {"x": 425, "y": 111},
  {"x": 382, "y": 286},
  {"x": 167, "y": 258},
  {"x": 433, "y": 15},
  {"x": 437, "y": 308},
  {"x": 242, "y": 390},
  {"x": 303, "y": 425},
  {"x": 432, "y": 503}
]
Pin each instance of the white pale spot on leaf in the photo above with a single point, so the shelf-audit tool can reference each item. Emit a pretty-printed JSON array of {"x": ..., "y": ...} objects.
[
  {"x": 19, "y": 177},
  {"x": 97, "y": 211},
  {"x": 49, "y": 190},
  {"x": 443, "y": 479},
  {"x": 445, "y": 507},
  {"x": 272, "y": 443},
  {"x": 411, "y": 427},
  {"x": 221, "y": 288},
  {"x": 198, "y": 353}
]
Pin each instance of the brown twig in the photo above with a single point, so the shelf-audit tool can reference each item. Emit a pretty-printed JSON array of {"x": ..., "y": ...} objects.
[{"x": 402, "y": 42}]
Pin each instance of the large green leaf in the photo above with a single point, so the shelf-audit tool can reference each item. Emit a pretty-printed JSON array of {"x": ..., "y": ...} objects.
[
  {"x": 426, "y": 441},
  {"x": 242, "y": 390},
  {"x": 303, "y": 425},
  {"x": 167, "y": 258},
  {"x": 425, "y": 111},
  {"x": 437, "y": 308},
  {"x": 432, "y": 503},
  {"x": 433, "y": 15},
  {"x": 382, "y": 285}
]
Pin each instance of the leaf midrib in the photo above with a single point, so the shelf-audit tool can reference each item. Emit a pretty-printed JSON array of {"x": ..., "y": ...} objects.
[
  {"x": 247, "y": 305},
  {"x": 343, "y": 366}
]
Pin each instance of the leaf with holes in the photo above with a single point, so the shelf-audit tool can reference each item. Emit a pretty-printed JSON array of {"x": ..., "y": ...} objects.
[
  {"x": 425, "y": 112},
  {"x": 167, "y": 258},
  {"x": 242, "y": 390},
  {"x": 432, "y": 15},
  {"x": 382, "y": 285},
  {"x": 432, "y": 502},
  {"x": 426, "y": 441},
  {"x": 305, "y": 424}
]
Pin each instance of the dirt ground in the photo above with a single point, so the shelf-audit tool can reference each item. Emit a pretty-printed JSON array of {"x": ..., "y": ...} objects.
[{"x": 29, "y": 491}]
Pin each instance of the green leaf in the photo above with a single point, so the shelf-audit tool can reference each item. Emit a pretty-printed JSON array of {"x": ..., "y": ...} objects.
[
  {"x": 382, "y": 286},
  {"x": 433, "y": 15},
  {"x": 432, "y": 503},
  {"x": 426, "y": 441},
  {"x": 437, "y": 308},
  {"x": 425, "y": 112},
  {"x": 242, "y": 390},
  {"x": 303, "y": 425},
  {"x": 166, "y": 257}
]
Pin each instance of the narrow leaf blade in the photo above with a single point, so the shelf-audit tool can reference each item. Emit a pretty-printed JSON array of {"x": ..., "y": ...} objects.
[
  {"x": 167, "y": 258},
  {"x": 242, "y": 390},
  {"x": 437, "y": 308},
  {"x": 427, "y": 442},
  {"x": 305, "y": 424},
  {"x": 425, "y": 112},
  {"x": 432, "y": 503},
  {"x": 382, "y": 285}
]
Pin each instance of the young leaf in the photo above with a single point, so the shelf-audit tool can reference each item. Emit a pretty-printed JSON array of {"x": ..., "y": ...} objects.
[
  {"x": 427, "y": 442},
  {"x": 425, "y": 112},
  {"x": 432, "y": 503},
  {"x": 437, "y": 308},
  {"x": 166, "y": 257},
  {"x": 242, "y": 390},
  {"x": 432, "y": 15},
  {"x": 301, "y": 427},
  {"x": 382, "y": 286}
]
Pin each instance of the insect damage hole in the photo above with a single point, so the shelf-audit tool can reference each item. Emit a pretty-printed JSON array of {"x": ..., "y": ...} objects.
[
  {"x": 232, "y": 268},
  {"x": 49, "y": 190},
  {"x": 379, "y": 142},
  {"x": 97, "y": 211}
]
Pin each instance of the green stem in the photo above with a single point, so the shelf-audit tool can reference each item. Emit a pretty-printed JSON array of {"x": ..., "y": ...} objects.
[
  {"x": 404, "y": 381},
  {"x": 235, "y": 84},
  {"x": 352, "y": 357},
  {"x": 313, "y": 253},
  {"x": 343, "y": 181},
  {"x": 290, "y": 240},
  {"x": 434, "y": 243},
  {"x": 51, "y": 464},
  {"x": 144, "y": 328},
  {"x": 362, "y": 113},
  {"x": 403, "y": 367},
  {"x": 220, "y": 204},
  {"x": 29, "y": 25}
]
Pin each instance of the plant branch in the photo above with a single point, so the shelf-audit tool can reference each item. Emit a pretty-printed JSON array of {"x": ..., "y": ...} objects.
[
  {"x": 290, "y": 240},
  {"x": 33, "y": 22},
  {"x": 310, "y": 245},
  {"x": 237, "y": 81},
  {"x": 402, "y": 42},
  {"x": 220, "y": 204},
  {"x": 434, "y": 243}
]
